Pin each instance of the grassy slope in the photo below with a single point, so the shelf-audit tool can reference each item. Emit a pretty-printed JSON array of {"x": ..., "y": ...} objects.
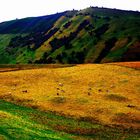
[
  {"x": 89, "y": 44},
  {"x": 99, "y": 100},
  {"x": 16, "y": 123},
  {"x": 4, "y": 40},
  {"x": 26, "y": 27},
  {"x": 118, "y": 28}
]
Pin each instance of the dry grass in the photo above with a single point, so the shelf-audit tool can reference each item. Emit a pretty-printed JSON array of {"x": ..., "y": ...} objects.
[
  {"x": 135, "y": 65},
  {"x": 78, "y": 91}
]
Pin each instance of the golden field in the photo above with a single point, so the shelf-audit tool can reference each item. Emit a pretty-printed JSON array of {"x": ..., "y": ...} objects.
[{"x": 104, "y": 93}]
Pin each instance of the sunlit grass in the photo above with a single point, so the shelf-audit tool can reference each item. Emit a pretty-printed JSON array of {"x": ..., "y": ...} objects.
[{"x": 90, "y": 93}]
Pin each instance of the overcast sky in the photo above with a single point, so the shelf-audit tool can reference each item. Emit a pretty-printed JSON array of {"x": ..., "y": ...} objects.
[{"x": 12, "y": 9}]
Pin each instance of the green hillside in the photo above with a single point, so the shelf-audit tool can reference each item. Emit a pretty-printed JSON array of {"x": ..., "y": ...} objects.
[{"x": 92, "y": 35}]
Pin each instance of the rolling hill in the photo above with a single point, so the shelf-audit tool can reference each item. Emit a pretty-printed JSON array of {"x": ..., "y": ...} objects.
[{"x": 92, "y": 35}]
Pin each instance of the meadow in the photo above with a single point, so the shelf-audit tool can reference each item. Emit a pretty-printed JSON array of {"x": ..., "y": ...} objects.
[{"x": 70, "y": 102}]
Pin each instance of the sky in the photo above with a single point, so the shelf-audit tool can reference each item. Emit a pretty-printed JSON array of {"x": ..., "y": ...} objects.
[{"x": 12, "y": 9}]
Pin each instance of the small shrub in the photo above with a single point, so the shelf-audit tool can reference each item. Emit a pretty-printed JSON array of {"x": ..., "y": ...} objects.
[
  {"x": 82, "y": 100},
  {"x": 100, "y": 90},
  {"x": 34, "y": 106},
  {"x": 25, "y": 91},
  {"x": 116, "y": 97},
  {"x": 67, "y": 24},
  {"x": 131, "y": 106},
  {"x": 58, "y": 100}
]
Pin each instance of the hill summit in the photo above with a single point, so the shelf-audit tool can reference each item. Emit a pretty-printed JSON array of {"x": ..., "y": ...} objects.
[{"x": 92, "y": 35}]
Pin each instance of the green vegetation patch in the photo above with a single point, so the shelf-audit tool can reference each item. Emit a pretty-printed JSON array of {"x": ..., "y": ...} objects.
[
  {"x": 116, "y": 97},
  {"x": 17, "y": 122}
]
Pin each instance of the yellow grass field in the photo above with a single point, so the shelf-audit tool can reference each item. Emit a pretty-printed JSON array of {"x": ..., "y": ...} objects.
[{"x": 108, "y": 94}]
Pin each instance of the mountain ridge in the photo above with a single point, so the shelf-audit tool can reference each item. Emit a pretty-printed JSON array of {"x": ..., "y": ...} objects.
[{"x": 92, "y": 35}]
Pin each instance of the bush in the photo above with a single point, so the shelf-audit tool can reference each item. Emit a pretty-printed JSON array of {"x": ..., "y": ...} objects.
[
  {"x": 116, "y": 97},
  {"x": 58, "y": 100}
]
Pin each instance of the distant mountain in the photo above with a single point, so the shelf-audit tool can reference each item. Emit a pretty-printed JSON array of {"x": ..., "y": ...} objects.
[{"x": 92, "y": 35}]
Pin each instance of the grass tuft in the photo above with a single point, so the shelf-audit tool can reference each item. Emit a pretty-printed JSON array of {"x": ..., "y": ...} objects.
[
  {"x": 59, "y": 100},
  {"x": 116, "y": 97}
]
